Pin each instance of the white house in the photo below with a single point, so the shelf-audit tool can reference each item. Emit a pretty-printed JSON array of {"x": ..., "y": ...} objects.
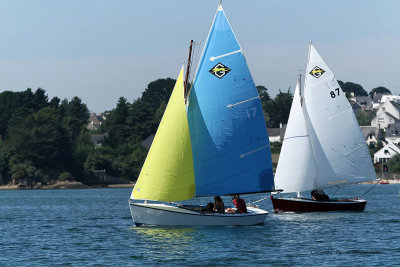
[
  {"x": 386, "y": 152},
  {"x": 380, "y": 99},
  {"x": 386, "y": 98},
  {"x": 388, "y": 113},
  {"x": 391, "y": 107},
  {"x": 277, "y": 134},
  {"x": 274, "y": 135},
  {"x": 376, "y": 101},
  {"x": 383, "y": 120},
  {"x": 371, "y": 134}
]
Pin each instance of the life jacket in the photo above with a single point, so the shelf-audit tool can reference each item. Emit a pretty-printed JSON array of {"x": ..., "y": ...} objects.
[{"x": 240, "y": 205}]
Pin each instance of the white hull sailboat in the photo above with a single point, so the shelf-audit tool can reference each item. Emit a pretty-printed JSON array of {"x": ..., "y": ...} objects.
[
  {"x": 212, "y": 141},
  {"x": 323, "y": 145},
  {"x": 170, "y": 214}
]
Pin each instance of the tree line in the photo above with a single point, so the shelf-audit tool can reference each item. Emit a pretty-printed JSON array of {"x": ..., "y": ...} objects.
[{"x": 44, "y": 141}]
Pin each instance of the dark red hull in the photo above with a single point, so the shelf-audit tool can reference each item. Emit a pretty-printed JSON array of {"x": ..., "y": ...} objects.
[{"x": 308, "y": 205}]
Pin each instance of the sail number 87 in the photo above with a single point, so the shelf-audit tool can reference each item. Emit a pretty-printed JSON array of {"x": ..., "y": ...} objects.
[{"x": 335, "y": 92}]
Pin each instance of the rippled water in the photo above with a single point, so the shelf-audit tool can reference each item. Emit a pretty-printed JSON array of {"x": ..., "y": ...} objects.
[{"x": 94, "y": 227}]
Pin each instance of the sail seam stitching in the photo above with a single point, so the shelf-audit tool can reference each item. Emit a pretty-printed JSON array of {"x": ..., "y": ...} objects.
[
  {"x": 242, "y": 102},
  {"x": 224, "y": 55}
]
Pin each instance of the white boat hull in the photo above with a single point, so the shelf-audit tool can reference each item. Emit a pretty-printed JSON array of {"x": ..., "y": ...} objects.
[{"x": 162, "y": 214}]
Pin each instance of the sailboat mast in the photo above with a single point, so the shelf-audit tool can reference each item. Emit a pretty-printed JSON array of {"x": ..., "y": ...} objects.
[
  {"x": 301, "y": 97},
  {"x": 301, "y": 104},
  {"x": 188, "y": 70}
]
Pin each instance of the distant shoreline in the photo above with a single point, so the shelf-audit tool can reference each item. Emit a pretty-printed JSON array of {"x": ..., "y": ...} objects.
[
  {"x": 384, "y": 181},
  {"x": 65, "y": 185}
]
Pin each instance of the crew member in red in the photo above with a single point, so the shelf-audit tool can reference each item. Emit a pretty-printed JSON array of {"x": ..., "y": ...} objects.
[{"x": 239, "y": 203}]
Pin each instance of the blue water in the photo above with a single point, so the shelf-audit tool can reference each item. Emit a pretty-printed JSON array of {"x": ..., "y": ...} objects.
[{"x": 93, "y": 227}]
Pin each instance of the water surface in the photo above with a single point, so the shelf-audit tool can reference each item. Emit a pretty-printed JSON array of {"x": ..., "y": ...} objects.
[{"x": 94, "y": 227}]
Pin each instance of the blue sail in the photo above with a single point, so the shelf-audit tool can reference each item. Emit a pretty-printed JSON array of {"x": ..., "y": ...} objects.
[{"x": 230, "y": 144}]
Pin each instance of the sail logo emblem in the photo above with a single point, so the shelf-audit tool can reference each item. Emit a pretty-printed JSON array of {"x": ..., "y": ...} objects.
[
  {"x": 317, "y": 72},
  {"x": 220, "y": 70}
]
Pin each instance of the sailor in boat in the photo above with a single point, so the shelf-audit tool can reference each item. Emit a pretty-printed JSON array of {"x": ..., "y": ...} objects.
[
  {"x": 240, "y": 205},
  {"x": 319, "y": 195},
  {"x": 219, "y": 205},
  {"x": 209, "y": 208}
]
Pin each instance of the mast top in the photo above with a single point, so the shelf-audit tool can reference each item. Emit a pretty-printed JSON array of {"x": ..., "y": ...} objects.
[{"x": 220, "y": 6}]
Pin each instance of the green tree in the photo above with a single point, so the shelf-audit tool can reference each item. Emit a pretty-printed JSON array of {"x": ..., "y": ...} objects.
[
  {"x": 263, "y": 93},
  {"x": 349, "y": 87},
  {"x": 158, "y": 91},
  {"x": 159, "y": 113},
  {"x": 278, "y": 109},
  {"x": 41, "y": 139},
  {"x": 379, "y": 90},
  {"x": 75, "y": 116},
  {"x": 19, "y": 104},
  {"x": 394, "y": 164},
  {"x": 142, "y": 119},
  {"x": 117, "y": 123},
  {"x": 364, "y": 117}
]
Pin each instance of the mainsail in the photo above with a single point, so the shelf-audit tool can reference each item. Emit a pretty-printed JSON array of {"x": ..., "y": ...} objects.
[
  {"x": 167, "y": 174},
  {"x": 230, "y": 143},
  {"x": 338, "y": 138}
]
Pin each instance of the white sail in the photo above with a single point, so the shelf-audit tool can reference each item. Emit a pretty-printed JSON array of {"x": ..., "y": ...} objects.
[
  {"x": 339, "y": 149},
  {"x": 295, "y": 171}
]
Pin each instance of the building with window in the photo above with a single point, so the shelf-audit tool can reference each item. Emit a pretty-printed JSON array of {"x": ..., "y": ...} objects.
[{"x": 386, "y": 152}]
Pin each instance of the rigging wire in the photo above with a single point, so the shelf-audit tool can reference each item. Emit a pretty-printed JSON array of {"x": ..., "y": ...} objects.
[
  {"x": 251, "y": 203},
  {"x": 337, "y": 188},
  {"x": 377, "y": 182}
]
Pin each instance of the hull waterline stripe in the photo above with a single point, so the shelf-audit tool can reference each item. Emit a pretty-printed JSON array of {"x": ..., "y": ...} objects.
[
  {"x": 242, "y": 102},
  {"x": 255, "y": 150},
  {"x": 224, "y": 55}
]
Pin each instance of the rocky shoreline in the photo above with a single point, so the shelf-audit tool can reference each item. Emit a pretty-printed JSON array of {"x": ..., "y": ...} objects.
[{"x": 63, "y": 185}]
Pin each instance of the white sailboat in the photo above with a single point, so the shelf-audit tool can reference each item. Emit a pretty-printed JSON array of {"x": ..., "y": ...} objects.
[
  {"x": 216, "y": 145},
  {"x": 323, "y": 144}
]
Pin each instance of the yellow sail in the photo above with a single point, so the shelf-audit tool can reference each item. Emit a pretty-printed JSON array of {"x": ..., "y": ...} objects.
[{"x": 167, "y": 174}]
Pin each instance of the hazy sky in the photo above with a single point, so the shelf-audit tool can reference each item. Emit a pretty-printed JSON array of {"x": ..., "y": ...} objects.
[{"x": 100, "y": 50}]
